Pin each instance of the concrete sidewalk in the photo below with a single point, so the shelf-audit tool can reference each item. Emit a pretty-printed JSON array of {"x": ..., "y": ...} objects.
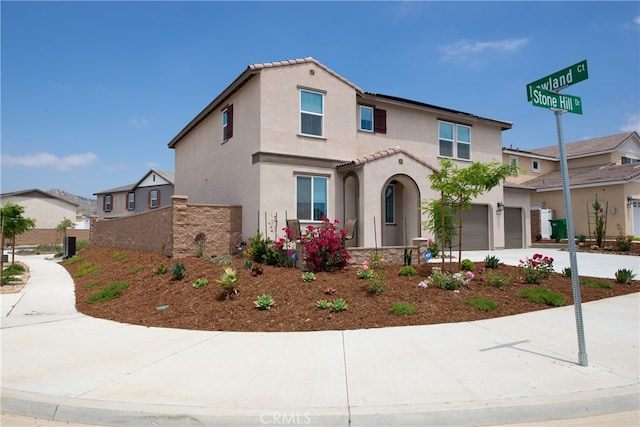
[{"x": 60, "y": 365}]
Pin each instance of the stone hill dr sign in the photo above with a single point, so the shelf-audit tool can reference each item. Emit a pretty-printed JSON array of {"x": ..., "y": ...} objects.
[
  {"x": 556, "y": 101},
  {"x": 544, "y": 92}
]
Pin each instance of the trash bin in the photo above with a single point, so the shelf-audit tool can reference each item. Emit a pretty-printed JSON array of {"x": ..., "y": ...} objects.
[
  {"x": 558, "y": 228},
  {"x": 69, "y": 247}
]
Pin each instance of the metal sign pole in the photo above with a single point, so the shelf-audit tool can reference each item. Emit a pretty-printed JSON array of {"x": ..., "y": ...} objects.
[{"x": 577, "y": 302}]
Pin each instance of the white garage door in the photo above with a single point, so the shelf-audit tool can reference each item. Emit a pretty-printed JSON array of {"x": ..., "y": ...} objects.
[
  {"x": 475, "y": 228},
  {"x": 512, "y": 228}
]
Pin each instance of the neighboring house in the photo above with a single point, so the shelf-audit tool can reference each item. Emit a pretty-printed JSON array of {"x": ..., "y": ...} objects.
[
  {"x": 47, "y": 209},
  {"x": 152, "y": 191},
  {"x": 606, "y": 167},
  {"x": 294, "y": 139}
]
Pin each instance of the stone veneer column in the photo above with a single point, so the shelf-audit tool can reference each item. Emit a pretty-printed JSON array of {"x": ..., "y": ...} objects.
[{"x": 179, "y": 218}]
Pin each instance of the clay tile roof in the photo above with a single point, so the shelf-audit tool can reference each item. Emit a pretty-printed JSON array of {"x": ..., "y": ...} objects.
[
  {"x": 382, "y": 154},
  {"x": 605, "y": 144},
  {"x": 508, "y": 184},
  {"x": 588, "y": 175}
]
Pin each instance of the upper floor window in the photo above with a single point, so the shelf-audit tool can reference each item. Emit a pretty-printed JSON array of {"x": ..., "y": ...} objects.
[
  {"x": 131, "y": 201},
  {"x": 154, "y": 199},
  {"x": 389, "y": 205},
  {"x": 227, "y": 123},
  {"x": 311, "y": 113},
  {"x": 311, "y": 197},
  {"x": 454, "y": 140},
  {"x": 373, "y": 119},
  {"x": 535, "y": 165},
  {"x": 107, "y": 203},
  {"x": 513, "y": 161},
  {"x": 626, "y": 160}
]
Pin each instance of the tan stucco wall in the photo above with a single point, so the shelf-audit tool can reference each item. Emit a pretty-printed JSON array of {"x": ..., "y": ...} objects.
[
  {"x": 48, "y": 212},
  {"x": 526, "y": 167},
  {"x": 581, "y": 204}
]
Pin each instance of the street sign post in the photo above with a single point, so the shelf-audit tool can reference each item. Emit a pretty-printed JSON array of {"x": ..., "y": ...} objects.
[
  {"x": 544, "y": 93},
  {"x": 556, "y": 101},
  {"x": 560, "y": 79}
]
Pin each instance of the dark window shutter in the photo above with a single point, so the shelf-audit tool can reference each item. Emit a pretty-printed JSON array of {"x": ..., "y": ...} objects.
[
  {"x": 380, "y": 121},
  {"x": 229, "y": 121}
]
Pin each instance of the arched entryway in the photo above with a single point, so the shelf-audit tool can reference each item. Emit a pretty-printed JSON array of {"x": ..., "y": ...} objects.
[
  {"x": 351, "y": 203},
  {"x": 400, "y": 211}
]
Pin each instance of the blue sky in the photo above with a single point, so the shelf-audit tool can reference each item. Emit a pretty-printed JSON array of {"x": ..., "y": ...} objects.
[{"x": 92, "y": 92}]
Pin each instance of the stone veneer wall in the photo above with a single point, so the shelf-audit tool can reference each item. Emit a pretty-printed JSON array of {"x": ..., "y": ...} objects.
[
  {"x": 48, "y": 236},
  {"x": 147, "y": 231},
  {"x": 221, "y": 224},
  {"x": 172, "y": 229}
]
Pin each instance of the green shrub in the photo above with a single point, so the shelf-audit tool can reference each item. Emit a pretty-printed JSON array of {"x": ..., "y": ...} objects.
[
  {"x": 624, "y": 275},
  {"x": 449, "y": 282},
  {"x": 258, "y": 247},
  {"x": 495, "y": 278},
  {"x": 596, "y": 283},
  {"x": 92, "y": 284},
  {"x": 14, "y": 269},
  {"x": 542, "y": 295},
  {"x": 74, "y": 260},
  {"x": 87, "y": 268},
  {"x": 407, "y": 256},
  {"x": 248, "y": 265},
  {"x": 109, "y": 292},
  {"x": 120, "y": 255},
  {"x": 228, "y": 278},
  {"x": 308, "y": 276},
  {"x": 82, "y": 244},
  {"x": 222, "y": 260},
  {"x": 264, "y": 302},
  {"x": 200, "y": 282},
  {"x": 161, "y": 269},
  {"x": 323, "y": 304},
  {"x": 491, "y": 261},
  {"x": 375, "y": 283},
  {"x": 136, "y": 269},
  {"x": 402, "y": 308},
  {"x": 339, "y": 305},
  {"x": 566, "y": 272},
  {"x": 483, "y": 304},
  {"x": 407, "y": 270},
  {"x": 467, "y": 265},
  {"x": 178, "y": 270}
]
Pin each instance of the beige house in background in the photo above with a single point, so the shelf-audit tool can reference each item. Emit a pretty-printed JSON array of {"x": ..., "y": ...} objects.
[
  {"x": 294, "y": 139},
  {"x": 607, "y": 167},
  {"x": 47, "y": 209}
]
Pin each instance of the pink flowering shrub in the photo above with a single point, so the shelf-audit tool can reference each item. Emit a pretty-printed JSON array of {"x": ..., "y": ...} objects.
[
  {"x": 324, "y": 247},
  {"x": 536, "y": 268}
]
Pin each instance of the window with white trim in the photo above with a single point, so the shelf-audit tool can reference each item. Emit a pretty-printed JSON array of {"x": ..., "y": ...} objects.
[
  {"x": 535, "y": 165},
  {"x": 454, "y": 140},
  {"x": 311, "y": 197},
  {"x": 154, "y": 199},
  {"x": 373, "y": 119},
  {"x": 107, "y": 203},
  {"x": 131, "y": 201},
  {"x": 227, "y": 123},
  {"x": 311, "y": 113}
]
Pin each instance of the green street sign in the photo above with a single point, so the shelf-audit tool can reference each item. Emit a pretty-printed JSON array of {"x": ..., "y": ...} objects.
[
  {"x": 560, "y": 79},
  {"x": 556, "y": 101}
]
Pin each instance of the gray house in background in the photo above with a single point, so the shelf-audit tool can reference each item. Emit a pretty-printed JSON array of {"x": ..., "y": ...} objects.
[{"x": 152, "y": 191}]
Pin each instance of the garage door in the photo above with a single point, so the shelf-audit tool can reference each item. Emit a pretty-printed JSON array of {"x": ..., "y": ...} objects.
[
  {"x": 475, "y": 228},
  {"x": 512, "y": 228}
]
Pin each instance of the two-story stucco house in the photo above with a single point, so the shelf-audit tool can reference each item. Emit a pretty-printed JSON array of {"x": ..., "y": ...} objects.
[
  {"x": 152, "y": 191},
  {"x": 295, "y": 139},
  {"x": 606, "y": 167}
]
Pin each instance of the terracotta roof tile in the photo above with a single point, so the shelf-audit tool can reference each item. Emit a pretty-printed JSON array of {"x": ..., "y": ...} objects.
[{"x": 385, "y": 153}]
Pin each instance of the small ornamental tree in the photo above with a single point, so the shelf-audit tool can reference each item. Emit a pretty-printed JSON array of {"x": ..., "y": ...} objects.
[
  {"x": 13, "y": 224},
  {"x": 457, "y": 188},
  {"x": 324, "y": 247},
  {"x": 63, "y": 226}
]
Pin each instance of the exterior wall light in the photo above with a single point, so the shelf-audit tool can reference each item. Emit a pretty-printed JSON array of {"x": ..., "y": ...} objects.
[{"x": 500, "y": 208}]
